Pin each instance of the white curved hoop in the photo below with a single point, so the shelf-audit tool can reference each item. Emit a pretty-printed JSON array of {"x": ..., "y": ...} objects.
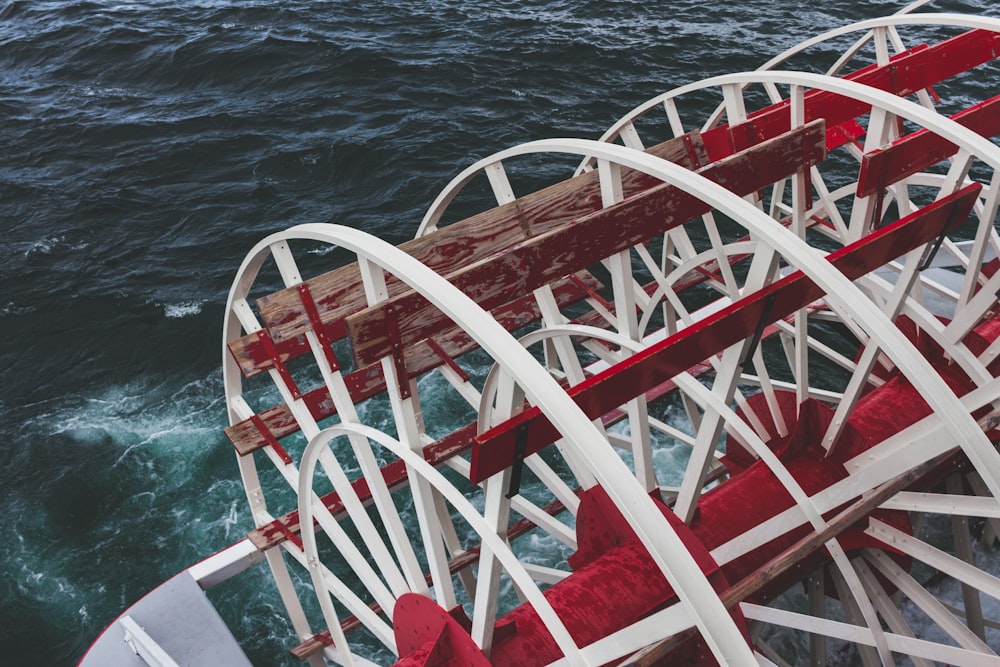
[
  {"x": 902, "y": 17},
  {"x": 530, "y": 338}
]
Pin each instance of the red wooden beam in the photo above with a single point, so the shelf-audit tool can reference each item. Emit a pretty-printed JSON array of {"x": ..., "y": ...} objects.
[
  {"x": 494, "y": 449},
  {"x": 340, "y": 292},
  {"x": 571, "y": 247},
  {"x": 921, "y": 149},
  {"x": 908, "y": 72}
]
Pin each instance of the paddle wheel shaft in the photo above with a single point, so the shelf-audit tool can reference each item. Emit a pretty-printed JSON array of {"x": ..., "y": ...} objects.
[{"x": 722, "y": 392}]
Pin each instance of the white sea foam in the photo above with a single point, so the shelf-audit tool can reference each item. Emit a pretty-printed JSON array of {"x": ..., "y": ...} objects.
[
  {"x": 50, "y": 244},
  {"x": 185, "y": 309},
  {"x": 12, "y": 309}
]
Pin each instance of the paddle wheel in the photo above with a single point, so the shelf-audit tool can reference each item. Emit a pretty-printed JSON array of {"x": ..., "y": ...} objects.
[{"x": 726, "y": 393}]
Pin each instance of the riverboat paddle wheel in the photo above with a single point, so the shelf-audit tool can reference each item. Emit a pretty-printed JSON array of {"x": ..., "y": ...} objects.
[{"x": 727, "y": 394}]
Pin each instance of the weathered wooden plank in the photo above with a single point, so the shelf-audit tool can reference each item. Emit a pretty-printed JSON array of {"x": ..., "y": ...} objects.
[
  {"x": 340, "y": 293},
  {"x": 908, "y": 72},
  {"x": 547, "y": 257},
  {"x": 494, "y": 449},
  {"x": 368, "y": 381},
  {"x": 916, "y": 151}
]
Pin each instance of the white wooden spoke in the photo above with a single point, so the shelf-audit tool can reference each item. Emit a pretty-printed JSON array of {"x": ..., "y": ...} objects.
[
  {"x": 944, "y": 503},
  {"x": 736, "y": 111},
  {"x": 867, "y": 211},
  {"x": 553, "y": 482},
  {"x": 768, "y": 389},
  {"x": 870, "y": 355},
  {"x": 673, "y": 118},
  {"x": 778, "y": 208},
  {"x": 285, "y": 262},
  {"x": 957, "y": 174},
  {"x": 707, "y": 436},
  {"x": 551, "y": 317},
  {"x": 388, "y": 513},
  {"x": 630, "y": 137},
  {"x": 502, "y": 190},
  {"x": 509, "y": 400},
  {"x": 821, "y": 395},
  {"x": 963, "y": 549},
  {"x": 862, "y": 635},
  {"x": 953, "y": 566},
  {"x": 769, "y": 655},
  {"x": 370, "y": 536},
  {"x": 545, "y": 575},
  {"x": 858, "y": 607},
  {"x": 974, "y": 309},
  {"x": 488, "y": 580},
  {"x": 870, "y": 655},
  {"x": 826, "y": 203},
  {"x": 461, "y": 384},
  {"x": 886, "y": 607},
  {"x": 286, "y": 591},
  {"x": 985, "y": 234},
  {"x": 544, "y": 520},
  {"x": 452, "y": 542},
  {"x": 721, "y": 258},
  {"x": 990, "y": 354},
  {"x": 940, "y": 333},
  {"x": 965, "y": 637},
  {"x": 671, "y": 431}
]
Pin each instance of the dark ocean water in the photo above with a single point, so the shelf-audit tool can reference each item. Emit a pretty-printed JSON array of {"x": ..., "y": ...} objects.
[{"x": 145, "y": 147}]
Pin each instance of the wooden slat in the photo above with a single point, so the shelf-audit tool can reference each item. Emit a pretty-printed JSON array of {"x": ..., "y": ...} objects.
[
  {"x": 340, "y": 292},
  {"x": 420, "y": 358},
  {"x": 546, "y": 257},
  {"x": 917, "y": 151},
  {"x": 494, "y": 449},
  {"x": 905, "y": 74}
]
